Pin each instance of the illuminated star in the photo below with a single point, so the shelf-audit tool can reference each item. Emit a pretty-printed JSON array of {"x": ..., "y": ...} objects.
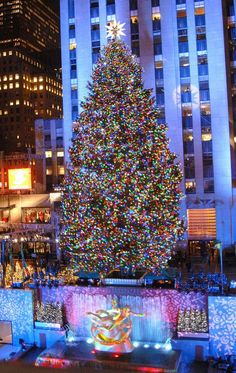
[{"x": 115, "y": 30}]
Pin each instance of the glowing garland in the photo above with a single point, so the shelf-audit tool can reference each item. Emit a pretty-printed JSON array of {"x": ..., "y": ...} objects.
[{"x": 121, "y": 198}]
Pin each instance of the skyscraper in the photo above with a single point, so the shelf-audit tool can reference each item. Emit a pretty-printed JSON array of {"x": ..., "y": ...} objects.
[
  {"x": 30, "y": 83},
  {"x": 187, "y": 50}
]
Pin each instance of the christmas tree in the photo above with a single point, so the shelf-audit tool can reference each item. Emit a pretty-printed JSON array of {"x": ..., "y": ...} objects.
[
  {"x": 8, "y": 275},
  {"x": 121, "y": 197},
  {"x": 204, "y": 322},
  {"x": 18, "y": 275},
  {"x": 180, "y": 321}
]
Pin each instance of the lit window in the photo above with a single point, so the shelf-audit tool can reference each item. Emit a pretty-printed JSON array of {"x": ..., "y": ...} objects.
[
  {"x": 11, "y": 85},
  {"x": 5, "y": 78},
  {"x": 10, "y": 77},
  {"x": 11, "y": 103},
  {"x": 17, "y": 76},
  {"x": 48, "y": 171},
  {"x": 206, "y": 137},
  {"x": 156, "y": 16},
  {"x": 17, "y": 137},
  {"x": 10, "y": 53},
  {"x": 60, "y": 154},
  {"x": 41, "y": 79},
  {"x": 5, "y": 86},
  {"x": 199, "y": 11},
  {"x": 5, "y": 112},
  {"x": 72, "y": 45},
  {"x": 17, "y": 85},
  {"x": 190, "y": 186},
  {"x": 41, "y": 87},
  {"x": 61, "y": 170},
  {"x": 48, "y": 154},
  {"x": 35, "y": 79},
  {"x": 4, "y": 54},
  {"x": 17, "y": 102}
]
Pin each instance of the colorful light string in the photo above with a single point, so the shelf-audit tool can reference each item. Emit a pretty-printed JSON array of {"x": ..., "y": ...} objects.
[{"x": 121, "y": 198}]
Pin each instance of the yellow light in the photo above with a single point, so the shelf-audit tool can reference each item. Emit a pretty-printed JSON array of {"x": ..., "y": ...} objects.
[
  {"x": 72, "y": 45},
  {"x": 19, "y": 178},
  {"x": 206, "y": 137},
  {"x": 48, "y": 154},
  {"x": 156, "y": 16}
]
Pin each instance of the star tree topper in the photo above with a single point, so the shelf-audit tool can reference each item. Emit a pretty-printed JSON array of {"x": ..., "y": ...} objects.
[{"x": 115, "y": 30}]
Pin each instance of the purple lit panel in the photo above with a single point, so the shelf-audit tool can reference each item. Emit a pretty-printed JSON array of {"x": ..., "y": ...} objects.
[
  {"x": 160, "y": 307},
  {"x": 222, "y": 325}
]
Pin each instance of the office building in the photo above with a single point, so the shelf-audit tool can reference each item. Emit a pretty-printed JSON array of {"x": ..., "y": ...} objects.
[
  {"x": 50, "y": 148},
  {"x": 187, "y": 51},
  {"x": 30, "y": 81}
]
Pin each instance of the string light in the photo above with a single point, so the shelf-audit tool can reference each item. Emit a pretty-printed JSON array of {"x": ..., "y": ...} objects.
[
  {"x": 49, "y": 312},
  {"x": 121, "y": 197}
]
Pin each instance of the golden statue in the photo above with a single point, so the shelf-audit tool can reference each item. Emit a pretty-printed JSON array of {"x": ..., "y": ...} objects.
[{"x": 111, "y": 329}]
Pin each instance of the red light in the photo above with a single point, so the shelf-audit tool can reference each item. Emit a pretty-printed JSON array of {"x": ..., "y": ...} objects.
[
  {"x": 93, "y": 352},
  {"x": 116, "y": 355}
]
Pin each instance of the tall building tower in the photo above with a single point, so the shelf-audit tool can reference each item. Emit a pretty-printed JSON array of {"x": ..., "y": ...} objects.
[
  {"x": 187, "y": 53},
  {"x": 30, "y": 82}
]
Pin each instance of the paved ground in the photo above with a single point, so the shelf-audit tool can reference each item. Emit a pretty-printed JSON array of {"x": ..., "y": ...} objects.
[
  {"x": 194, "y": 367},
  {"x": 199, "y": 263},
  {"x": 8, "y": 351},
  {"x": 31, "y": 356}
]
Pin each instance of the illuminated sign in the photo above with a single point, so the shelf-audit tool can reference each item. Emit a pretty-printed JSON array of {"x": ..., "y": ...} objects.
[{"x": 19, "y": 178}]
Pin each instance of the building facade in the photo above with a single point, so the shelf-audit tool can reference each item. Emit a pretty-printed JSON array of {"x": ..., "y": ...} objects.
[
  {"x": 187, "y": 51},
  {"x": 31, "y": 220},
  {"x": 50, "y": 148},
  {"x": 30, "y": 79}
]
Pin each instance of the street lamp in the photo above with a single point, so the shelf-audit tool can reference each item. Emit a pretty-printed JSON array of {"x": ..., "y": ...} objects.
[{"x": 218, "y": 246}]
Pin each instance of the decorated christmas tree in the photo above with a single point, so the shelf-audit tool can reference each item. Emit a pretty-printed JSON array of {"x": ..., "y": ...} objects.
[
  {"x": 18, "y": 275},
  {"x": 121, "y": 197},
  {"x": 50, "y": 313},
  {"x": 204, "y": 322},
  {"x": 8, "y": 275},
  {"x": 1, "y": 275},
  {"x": 180, "y": 321}
]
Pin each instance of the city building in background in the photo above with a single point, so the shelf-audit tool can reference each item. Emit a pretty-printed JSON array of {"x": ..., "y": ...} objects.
[
  {"x": 21, "y": 173},
  {"x": 175, "y": 41},
  {"x": 30, "y": 89},
  {"x": 50, "y": 148},
  {"x": 30, "y": 76},
  {"x": 31, "y": 221}
]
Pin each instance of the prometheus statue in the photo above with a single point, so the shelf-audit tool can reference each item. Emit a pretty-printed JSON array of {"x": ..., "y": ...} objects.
[{"x": 111, "y": 329}]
